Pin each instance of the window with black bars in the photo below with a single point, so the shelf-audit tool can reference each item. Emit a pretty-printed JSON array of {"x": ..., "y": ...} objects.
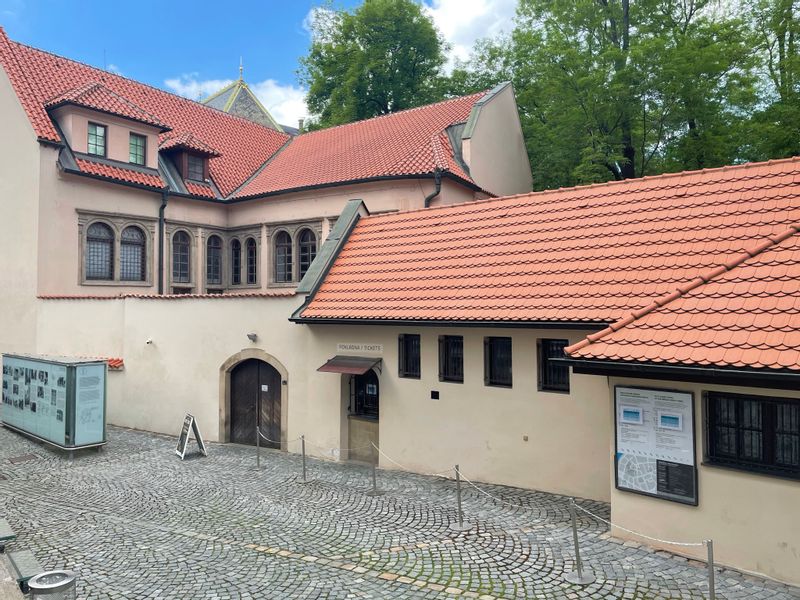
[
  {"x": 409, "y": 355},
  {"x": 753, "y": 433},
  {"x": 252, "y": 262},
  {"x": 99, "y": 252},
  {"x": 553, "y": 377},
  {"x": 451, "y": 358},
  {"x": 283, "y": 258},
  {"x": 497, "y": 361},
  {"x": 308, "y": 250},
  {"x": 214, "y": 260},
  {"x": 236, "y": 262},
  {"x": 96, "y": 141},
  {"x": 195, "y": 167},
  {"x": 132, "y": 255},
  {"x": 180, "y": 257},
  {"x": 137, "y": 148}
]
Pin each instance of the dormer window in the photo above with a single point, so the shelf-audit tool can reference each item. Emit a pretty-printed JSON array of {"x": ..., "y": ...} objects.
[
  {"x": 137, "y": 149},
  {"x": 96, "y": 141},
  {"x": 195, "y": 167}
]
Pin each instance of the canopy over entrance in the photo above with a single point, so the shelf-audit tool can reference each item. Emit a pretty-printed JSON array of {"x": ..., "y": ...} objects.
[{"x": 350, "y": 365}]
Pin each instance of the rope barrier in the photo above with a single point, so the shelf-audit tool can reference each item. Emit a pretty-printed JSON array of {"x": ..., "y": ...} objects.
[
  {"x": 636, "y": 533},
  {"x": 258, "y": 429},
  {"x": 495, "y": 498},
  {"x": 405, "y": 468}
]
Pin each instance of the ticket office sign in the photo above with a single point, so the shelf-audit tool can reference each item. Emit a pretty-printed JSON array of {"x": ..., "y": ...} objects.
[{"x": 655, "y": 443}]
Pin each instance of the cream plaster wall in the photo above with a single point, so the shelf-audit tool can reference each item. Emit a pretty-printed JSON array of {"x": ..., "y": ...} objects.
[
  {"x": 496, "y": 153},
  {"x": 19, "y": 226},
  {"x": 481, "y": 428},
  {"x": 74, "y": 123},
  {"x": 751, "y": 518},
  {"x": 180, "y": 371}
]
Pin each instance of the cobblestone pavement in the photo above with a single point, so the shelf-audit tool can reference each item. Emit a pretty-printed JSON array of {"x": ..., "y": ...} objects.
[{"x": 136, "y": 522}]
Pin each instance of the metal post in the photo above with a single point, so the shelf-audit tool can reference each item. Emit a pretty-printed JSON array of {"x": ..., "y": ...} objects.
[
  {"x": 258, "y": 447},
  {"x": 460, "y": 526},
  {"x": 303, "y": 446},
  {"x": 712, "y": 592},
  {"x": 375, "y": 491},
  {"x": 577, "y": 577}
]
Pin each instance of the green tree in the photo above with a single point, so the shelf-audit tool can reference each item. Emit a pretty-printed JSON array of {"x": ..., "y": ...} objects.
[{"x": 384, "y": 56}]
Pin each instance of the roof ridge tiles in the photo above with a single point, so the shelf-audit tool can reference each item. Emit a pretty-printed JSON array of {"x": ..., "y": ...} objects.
[{"x": 687, "y": 288}]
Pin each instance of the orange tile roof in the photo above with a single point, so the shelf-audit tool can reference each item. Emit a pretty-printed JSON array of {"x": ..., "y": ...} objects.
[
  {"x": 96, "y": 96},
  {"x": 745, "y": 314},
  {"x": 588, "y": 254},
  {"x": 409, "y": 142},
  {"x": 199, "y": 189},
  {"x": 38, "y": 76},
  {"x": 119, "y": 173}
]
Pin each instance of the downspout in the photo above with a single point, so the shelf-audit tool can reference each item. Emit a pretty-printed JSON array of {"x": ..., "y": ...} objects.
[
  {"x": 437, "y": 180},
  {"x": 164, "y": 198}
]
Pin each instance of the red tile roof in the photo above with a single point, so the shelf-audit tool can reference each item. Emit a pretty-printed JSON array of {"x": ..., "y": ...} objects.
[
  {"x": 119, "y": 173},
  {"x": 39, "y": 76},
  {"x": 588, "y": 254},
  {"x": 96, "y": 96},
  {"x": 189, "y": 141},
  {"x": 115, "y": 364},
  {"x": 745, "y": 314},
  {"x": 199, "y": 189},
  {"x": 409, "y": 142}
]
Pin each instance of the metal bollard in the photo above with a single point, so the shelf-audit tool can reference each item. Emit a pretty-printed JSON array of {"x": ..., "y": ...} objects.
[
  {"x": 375, "y": 491},
  {"x": 577, "y": 577},
  {"x": 258, "y": 448},
  {"x": 712, "y": 592},
  {"x": 53, "y": 585},
  {"x": 460, "y": 526},
  {"x": 303, "y": 447}
]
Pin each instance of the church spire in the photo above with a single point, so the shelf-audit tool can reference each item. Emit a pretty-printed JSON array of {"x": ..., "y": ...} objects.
[{"x": 241, "y": 69}]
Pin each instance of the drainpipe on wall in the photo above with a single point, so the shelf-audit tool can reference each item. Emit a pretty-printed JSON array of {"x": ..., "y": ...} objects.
[
  {"x": 164, "y": 197},
  {"x": 437, "y": 180}
]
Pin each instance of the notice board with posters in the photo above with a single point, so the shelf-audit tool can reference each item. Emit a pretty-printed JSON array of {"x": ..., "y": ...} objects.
[{"x": 655, "y": 443}]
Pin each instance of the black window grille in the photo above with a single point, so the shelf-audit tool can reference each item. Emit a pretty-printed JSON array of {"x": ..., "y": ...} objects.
[
  {"x": 451, "y": 358},
  {"x": 195, "y": 166},
  {"x": 553, "y": 377},
  {"x": 100, "y": 252},
  {"x": 180, "y": 257},
  {"x": 214, "y": 260},
  {"x": 308, "y": 250},
  {"x": 252, "y": 262},
  {"x": 409, "y": 355},
  {"x": 283, "y": 258},
  {"x": 754, "y": 433},
  {"x": 96, "y": 140},
  {"x": 137, "y": 149},
  {"x": 132, "y": 255},
  {"x": 497, "y": 361},
  {"x": 236, "y": 262},
  {"x": 365, "y": 395}
]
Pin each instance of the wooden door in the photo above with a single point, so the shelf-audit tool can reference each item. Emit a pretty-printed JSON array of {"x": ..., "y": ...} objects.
[{"x": 255, "y": 383}]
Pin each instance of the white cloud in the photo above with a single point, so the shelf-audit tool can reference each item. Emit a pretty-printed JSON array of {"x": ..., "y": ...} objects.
[
  {"x": 315, "y": 15},
  {"x": 112, "y": 68},
  {"x": 285, "y": 102},
  {"x": 463, "y": 22}
]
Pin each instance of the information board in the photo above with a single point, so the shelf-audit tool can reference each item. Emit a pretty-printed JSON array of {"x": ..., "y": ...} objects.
[
  {"x": 190, "y": 425},
  {"x": 655, "y": 443}
]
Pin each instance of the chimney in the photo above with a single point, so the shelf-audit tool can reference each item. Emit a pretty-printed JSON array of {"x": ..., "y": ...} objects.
[{"x": 300, "y": 122}]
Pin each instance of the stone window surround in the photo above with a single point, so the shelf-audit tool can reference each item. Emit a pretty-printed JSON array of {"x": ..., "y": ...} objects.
[
  {"x": 118, "y": 223},
  {"x": 198, "y": 239},
  {"x": 293, "y": 228}
]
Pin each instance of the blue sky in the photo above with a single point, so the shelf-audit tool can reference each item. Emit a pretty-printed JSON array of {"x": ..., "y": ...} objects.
[{"x": 193, "y": 48}]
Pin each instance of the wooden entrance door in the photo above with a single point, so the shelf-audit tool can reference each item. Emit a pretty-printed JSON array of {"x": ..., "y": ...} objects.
[{"x": 254, "y": 383}]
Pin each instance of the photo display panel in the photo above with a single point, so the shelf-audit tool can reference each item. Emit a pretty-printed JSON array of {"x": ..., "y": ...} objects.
[{"x": 655, "y": 443}]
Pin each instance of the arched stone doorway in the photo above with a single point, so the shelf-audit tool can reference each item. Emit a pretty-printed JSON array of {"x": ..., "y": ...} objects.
[{"x": 253, "y": 390}]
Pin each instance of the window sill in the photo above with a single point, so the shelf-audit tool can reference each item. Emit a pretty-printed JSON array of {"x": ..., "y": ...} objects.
[
  {"x": 115, "y": 283},
  {"x": 506, "y": 386},
  {"x": 750, "y": 470},
  {"x": 442, "y": 380},
  {"x": 417, "y": 377},
  {"x": 560, "y": 392},
  {"x": 288, "y": 284}
]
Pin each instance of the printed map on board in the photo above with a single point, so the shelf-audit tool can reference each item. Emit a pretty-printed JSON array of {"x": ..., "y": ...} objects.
[{"x": 637, "y": 473}]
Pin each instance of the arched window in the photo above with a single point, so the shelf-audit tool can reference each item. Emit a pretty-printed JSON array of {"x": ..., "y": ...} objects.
[
  {"x": 308, "y": 250},
  {"x": 252, "y": 262},
  {"x": 180, "y": 257},
  {"x": 214, "y": 260},
  {"x": 100, "y": 252},
  {"x": 132, "y": 255},
  {"x": 283, "y": 258},
  {"x": 236, "y": 262}
]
